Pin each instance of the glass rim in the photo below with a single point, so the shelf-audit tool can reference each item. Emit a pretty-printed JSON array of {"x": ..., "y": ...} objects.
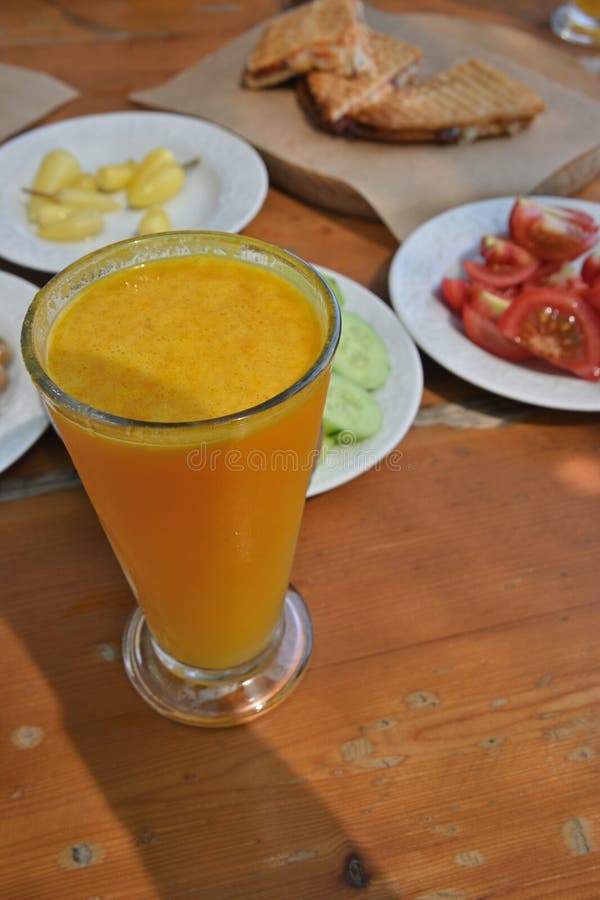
[{"x": 56, "y": 394}]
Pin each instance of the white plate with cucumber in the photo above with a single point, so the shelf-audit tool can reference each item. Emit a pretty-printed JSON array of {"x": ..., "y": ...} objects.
[
  {"x": 375, "y": 390},
  {"x": 224, "y": 187}
]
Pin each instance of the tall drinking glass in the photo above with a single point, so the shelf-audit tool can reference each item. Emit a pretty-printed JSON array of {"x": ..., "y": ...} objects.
[
  {"x": 202, "y": 515},
  {"x": 578, "y": 22}
]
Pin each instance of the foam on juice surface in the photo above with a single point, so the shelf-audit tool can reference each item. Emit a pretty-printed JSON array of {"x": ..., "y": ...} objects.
[{"x": 183, "y": 339}]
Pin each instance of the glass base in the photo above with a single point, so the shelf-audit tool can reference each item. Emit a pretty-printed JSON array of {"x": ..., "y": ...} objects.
[
  {"x": 570, "y": 24},
  {"x": 215, "y": 699}
]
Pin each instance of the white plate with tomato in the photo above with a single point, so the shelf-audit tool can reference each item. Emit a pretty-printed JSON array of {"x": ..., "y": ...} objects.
[
  {"x": 531, "y": 330},
  {"x": 225, "y": 183}
]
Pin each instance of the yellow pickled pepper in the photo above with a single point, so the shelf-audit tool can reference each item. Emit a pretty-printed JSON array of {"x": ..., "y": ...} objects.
[
  {"x": 158, "y": 178},
  {"x": 83, "y": 198},
  {"x": 115, "y": 176},
  {"x": 56, "y": 170},
  {"x": 78, "y": 224},
  {"x": 155, "y": 220}
]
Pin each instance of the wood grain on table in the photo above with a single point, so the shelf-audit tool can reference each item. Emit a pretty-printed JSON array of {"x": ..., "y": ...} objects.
[{"x": 445, "y": 743}]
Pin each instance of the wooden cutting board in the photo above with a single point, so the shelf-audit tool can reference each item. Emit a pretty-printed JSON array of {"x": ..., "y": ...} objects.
[{"x": 405, "y": 185}]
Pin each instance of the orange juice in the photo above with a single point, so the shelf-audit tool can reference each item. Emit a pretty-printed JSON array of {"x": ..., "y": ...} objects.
[
  {"x": 589, "y": 7},
  {"x": 202, "y": 508}
]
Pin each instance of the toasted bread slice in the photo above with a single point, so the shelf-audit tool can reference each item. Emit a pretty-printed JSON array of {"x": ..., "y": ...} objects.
[
  {"x": 324, "y": 34},
  {"x": 327, "y": 97},
  {"x": 469, "y": 101}
]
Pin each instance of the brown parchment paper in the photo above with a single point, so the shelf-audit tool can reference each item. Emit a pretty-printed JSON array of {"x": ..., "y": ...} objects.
[
  {"x": 27, "y": 96},
  {"x": 406, "y": 184}
]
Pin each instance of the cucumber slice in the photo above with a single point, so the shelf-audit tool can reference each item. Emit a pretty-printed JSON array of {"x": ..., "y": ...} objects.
[
  {"x": 350, "y": 409},
  {"x": 361, "y": 354},
  {"x": 337, "y": 291},
  {"x": 326, "y": 444}
]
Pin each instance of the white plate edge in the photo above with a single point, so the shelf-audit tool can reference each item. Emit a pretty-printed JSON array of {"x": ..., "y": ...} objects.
[{"x": 352, "y": 289}]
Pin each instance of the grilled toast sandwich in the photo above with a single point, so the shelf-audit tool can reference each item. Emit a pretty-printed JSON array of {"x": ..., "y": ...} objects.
[
  {"x": 471, "y": 100},
  {"x": 328, "y": 97},
  {"x": 324, "y": 34}
]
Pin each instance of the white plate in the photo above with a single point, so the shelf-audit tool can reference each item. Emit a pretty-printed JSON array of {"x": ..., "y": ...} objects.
[
  {"x": 399, "y": 397},
  {"x": 223, "y": 193},
  {"x": 22, "y": 414},
  {"x": 436, "y": 249}
]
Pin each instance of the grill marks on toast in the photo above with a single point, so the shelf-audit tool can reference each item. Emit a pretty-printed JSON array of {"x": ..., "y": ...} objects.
[
  {"x": 332, "y": 95},
  {"x": 473, "y": 99},
  {"x": 324, "y": 34}
]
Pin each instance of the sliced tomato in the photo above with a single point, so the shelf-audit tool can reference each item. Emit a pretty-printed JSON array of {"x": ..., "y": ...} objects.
[
  {"x": 548, "y": 268},
  {"x": 500, "y": 251},
  {"x": 506, "y": 292},
  {"x": 551, "y": 232},
  {"x": 497, "y": 276},
  {"x": 456, "y": 292},
  {"x": 559, "y": 327},
  {"x": 590, "y": 269},
  {"x": 489, "y": 303},
  {"x": 484, "y": 332},
  {"x": 593, "y": 294},
  {"x": 562, "y": 277},
  {"x": 505, "y": 263}
]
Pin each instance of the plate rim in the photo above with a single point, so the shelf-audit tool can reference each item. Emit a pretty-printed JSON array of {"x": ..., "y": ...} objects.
[
  {"x": 36, "y": 424},
  {"x": 490, "y": 382},
  {"x": 416, "y": 393},
  {"x": 259, "y": 182}
]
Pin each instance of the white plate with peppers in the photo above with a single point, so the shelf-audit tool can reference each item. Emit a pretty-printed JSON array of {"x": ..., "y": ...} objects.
[{"x": 204, "y": 178}]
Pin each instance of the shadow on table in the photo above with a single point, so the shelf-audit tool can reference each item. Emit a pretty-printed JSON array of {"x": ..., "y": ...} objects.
[{"x": 214, "y": 814}]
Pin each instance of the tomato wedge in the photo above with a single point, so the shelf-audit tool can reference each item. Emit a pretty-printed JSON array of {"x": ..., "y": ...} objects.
[
  {"x": 505, "y": 263},
  {"x": 593, "y": 294},
  {"x": 556, "y": 326},
  {"x": 551, "y": 232},
  {"x": 563, "y": 278},
  {"x": 456, "y": 292},
  {"x": 497, "y": 276},
  {"x": 590, "y": 270},
  {"x": 483, "y": 331},
  {"x": 489, "y": 303}
]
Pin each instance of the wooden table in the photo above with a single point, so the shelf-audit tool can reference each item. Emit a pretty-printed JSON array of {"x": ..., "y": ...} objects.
[{"x": 445, "y": 743}]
